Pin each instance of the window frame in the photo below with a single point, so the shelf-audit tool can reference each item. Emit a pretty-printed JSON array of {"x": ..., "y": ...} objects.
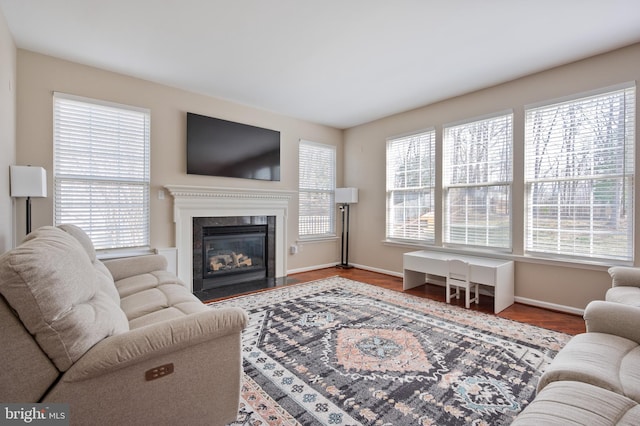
[
  {"x": 627, "y": 176},
  {"x": 420, "y": 229},
  {"x": 449, "y": 187},
  {"x": 110, "y": 236},
  {"x": 326, "y": 192}
]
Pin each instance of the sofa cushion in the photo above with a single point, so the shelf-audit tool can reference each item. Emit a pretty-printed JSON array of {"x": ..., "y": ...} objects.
[
  {"x": 50, "y": 281},
  {"x": 630, "y": 374},
  {"x": 82, "y": 237},
  {"x": 574, "y": 403},
  {"x": 626, "y": 295},
  {"x": 104, "y": 276},
  {"x": 156, "y": 296},
  {"x": 600, "y": 359}
]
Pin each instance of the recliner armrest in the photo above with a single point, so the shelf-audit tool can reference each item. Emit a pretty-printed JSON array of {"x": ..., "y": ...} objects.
[
  {"x": 130, "y": 266},
  {"x": 613, "y": 318},
  {"x": 144, "y": 343},
  {"x": 624, "y": 276}
]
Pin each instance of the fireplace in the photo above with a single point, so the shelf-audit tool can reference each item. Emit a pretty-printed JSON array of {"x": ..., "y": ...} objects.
[
  {"x": 235, "y": 251},
  {"x": 194, "y": 202}
]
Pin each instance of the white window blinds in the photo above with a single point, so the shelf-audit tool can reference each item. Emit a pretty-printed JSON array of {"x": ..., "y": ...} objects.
[
  {"x": 411, "y": 178},
  {"x": 317, "y": 183},
  {"x": 579, "y": 173},
  {"x": 101, "y": 170},
  {"x": 477, "y": 178}
]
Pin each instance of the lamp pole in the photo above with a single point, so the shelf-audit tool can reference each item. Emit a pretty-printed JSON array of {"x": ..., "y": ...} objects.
[
  {"x": 28, "y": 215},
  {"x": 344, "y": 249}
]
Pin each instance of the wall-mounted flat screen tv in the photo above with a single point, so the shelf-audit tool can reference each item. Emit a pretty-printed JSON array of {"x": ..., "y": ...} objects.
[{"x": 217, "y": 147}]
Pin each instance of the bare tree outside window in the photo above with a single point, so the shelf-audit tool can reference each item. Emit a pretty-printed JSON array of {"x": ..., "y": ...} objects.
[
  {"x": 477, "y": 179},
  {"x": 410, "y": 187},
  {"x": 579, "y": 176}
]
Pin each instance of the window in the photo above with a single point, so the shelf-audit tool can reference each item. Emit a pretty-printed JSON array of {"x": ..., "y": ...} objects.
[
  {"x": 317, "y": 183},
  {"x": 411, "y": 179},
  {"x": 101, "y": 170},
  {"x": 477, "y": 177},
  {"x": 579, "y": 172}
]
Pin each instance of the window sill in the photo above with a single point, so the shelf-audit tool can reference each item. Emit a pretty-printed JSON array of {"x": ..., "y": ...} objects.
[
  {"x": 317, "y": 239},
  {"x": 598, "y": 265},
  {"x": 117, "y": 253}
]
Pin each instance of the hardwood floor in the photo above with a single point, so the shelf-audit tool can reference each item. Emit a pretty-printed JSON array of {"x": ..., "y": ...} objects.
[
  {"x": 559, "y": 321},
  {"x": 545, "y": 318}
]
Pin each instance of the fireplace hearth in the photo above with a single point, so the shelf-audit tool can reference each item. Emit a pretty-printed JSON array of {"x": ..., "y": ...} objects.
[{"x": 232, "y": 255}]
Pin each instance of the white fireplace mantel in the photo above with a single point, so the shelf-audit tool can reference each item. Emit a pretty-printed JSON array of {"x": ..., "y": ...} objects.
[{"x": 198, "y": 201}]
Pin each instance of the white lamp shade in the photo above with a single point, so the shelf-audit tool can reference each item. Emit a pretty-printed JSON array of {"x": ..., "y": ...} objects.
[
  {"x": 346, "y": 195},
  {"x": 27, "y": 181}
]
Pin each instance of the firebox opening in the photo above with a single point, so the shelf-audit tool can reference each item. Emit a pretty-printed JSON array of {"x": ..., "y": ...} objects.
[{"x": 233, "y": 254}]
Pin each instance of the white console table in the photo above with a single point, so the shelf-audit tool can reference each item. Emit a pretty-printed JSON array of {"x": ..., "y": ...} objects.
[{"x": 496, "y": 273}]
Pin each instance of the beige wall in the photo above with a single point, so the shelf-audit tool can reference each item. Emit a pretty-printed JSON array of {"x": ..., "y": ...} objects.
[
  {"x": 41, "y": 75},
  {"x": 364, "y": 152},
  {"x": 7, "y": 132}
]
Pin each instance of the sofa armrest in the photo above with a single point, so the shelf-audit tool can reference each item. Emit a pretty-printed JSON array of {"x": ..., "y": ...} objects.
[
  {"x": 130, "y": 266},
  {"x": 624, "y": 276},
  {"x": 155, "y": 340},
  {"x": 613, "y": 318}
]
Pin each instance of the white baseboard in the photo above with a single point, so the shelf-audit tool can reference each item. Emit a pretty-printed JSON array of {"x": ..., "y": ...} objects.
[
  {"x": 551, "y": 306},
  {"x": 311, "y": 268},
  {"x": 332, "y": 265},
  {"x": 381, "y": 271}
]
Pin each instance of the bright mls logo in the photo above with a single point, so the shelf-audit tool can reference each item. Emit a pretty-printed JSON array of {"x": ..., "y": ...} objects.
[{"x": 37, "y": 414}]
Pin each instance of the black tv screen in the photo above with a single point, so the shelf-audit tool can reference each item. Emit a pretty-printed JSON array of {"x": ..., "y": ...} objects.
[{"x": 217, "y": 147}]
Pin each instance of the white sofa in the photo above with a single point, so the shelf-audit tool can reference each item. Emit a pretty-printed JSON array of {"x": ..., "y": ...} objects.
[
  {"x": 122, "y": 342},
  {"x": 595, "y": 378}
]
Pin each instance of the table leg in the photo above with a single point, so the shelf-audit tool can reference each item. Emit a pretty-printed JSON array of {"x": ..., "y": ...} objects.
[{"x": 413, "y": 279}]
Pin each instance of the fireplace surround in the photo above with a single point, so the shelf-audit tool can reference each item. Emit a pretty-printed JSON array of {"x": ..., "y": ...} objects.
[{"x": 191, "y": 202}]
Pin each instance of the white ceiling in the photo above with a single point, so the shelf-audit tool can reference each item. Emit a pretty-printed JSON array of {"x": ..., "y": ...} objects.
[{"x": 335, "y": 62}]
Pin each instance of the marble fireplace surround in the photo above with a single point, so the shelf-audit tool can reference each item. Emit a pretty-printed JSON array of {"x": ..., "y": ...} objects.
[{"x": 198, "y": 201}]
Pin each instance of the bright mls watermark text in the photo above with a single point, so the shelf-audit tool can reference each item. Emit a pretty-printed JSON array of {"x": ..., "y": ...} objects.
[{"x": 34, "y": 414}]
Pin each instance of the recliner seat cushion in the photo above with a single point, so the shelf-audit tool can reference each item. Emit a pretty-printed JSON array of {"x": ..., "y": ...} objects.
[
  {"x": 50, "y": 281},
  {"x": 603, "y": 360},
  {"x": 156, "y": 296},
  {"x": 570, "y": 403}
]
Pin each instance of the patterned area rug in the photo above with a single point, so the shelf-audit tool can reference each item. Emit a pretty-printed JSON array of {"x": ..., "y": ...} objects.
[{"x": 340, "y": 352}]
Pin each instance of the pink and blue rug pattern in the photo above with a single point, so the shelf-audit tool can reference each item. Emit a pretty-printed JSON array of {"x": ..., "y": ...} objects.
[{"x": 340, "y": 352}]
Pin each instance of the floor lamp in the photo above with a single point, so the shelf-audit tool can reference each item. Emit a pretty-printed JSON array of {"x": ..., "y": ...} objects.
[
  {"x": 345, "y": 197},
  {"x": 27, "y": 181}
]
